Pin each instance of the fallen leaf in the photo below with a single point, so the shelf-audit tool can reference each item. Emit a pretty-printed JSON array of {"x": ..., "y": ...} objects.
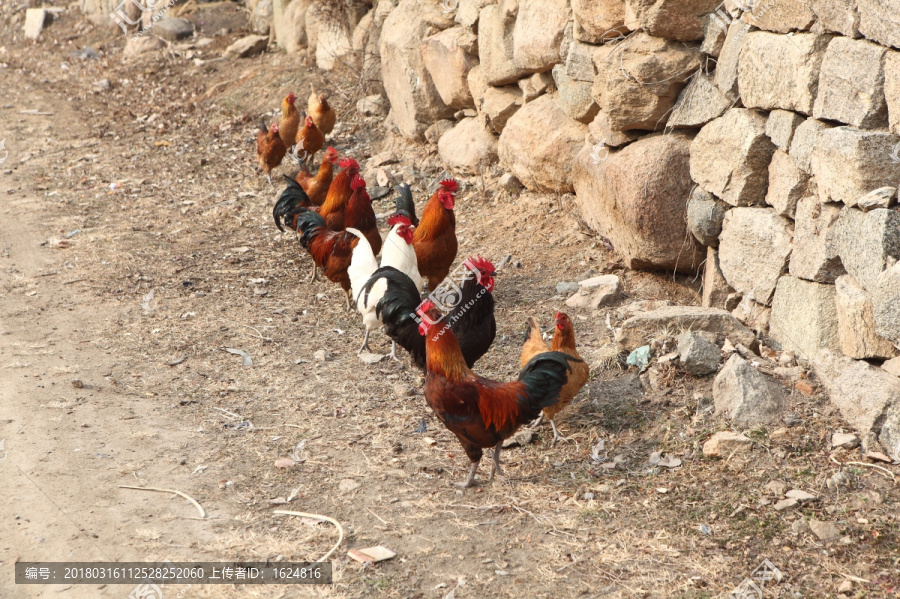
[{"x": 371, "y": 554}]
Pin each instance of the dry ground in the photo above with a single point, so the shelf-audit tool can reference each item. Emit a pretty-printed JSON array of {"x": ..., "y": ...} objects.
[{"x": 174, "y": 258}]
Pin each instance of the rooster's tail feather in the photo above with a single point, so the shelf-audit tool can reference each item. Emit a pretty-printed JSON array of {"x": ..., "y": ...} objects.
[
  {"x": 406, "y": 204},
  {"x": 293, "y": 201}
]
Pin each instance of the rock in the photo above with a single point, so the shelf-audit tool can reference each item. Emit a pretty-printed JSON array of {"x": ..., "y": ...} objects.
[
  {"x": 135, "y": 46},
  {"x": 467, "y": 11},
  {"x": 580, "y": 62},
  {"x": 285, "y": 463},
  {"x": 880, "y": 21},
  {"x": 785, "y": 504},
  {"x": 726, "y": 443},
  {"x": 370, "y": 358},
  {"x": 805, "y": 141},
  {"x": 801, "y": 495},
  {"x": 753, "y": 315},
  {"x": 537, "y": 85},
  {"x": 826, "y": 531},
  {"x": 348, "y": 485},
  {"x": 714, "y": 31},
  {"x": 815, "y": 256},
  {"x": 848, "y": 163},
  {"x": 320, "y": 355},
  {"x": 681, "y": 20},
  {"x": 596, "y": 292},
  {"x": 780, "y": 71},
  {"x": 566, "y": 287},
  {"x": 868, "y": 243},
  {"x": 781, "y": 16},
  {"x": 892, "y": 95},
  {"x": 757, "y": 232},
  {"x": 371, "y": 53},
  {"x": 844, "y": 440},
  {"x": 448, "y": 58},
  {"x": 780, "y": 127},
  {"x": 850, "y": 66},
  {"x": 775, "y": 487},
  {"x": 856, "y": 322},
  {"x": 698, "y": 356},
  {"x": 845, "y": 587},
  {"x": 716, "y": 289},
  {"x": 597, "y": 21},
  {"x": 704, "y": 216},
  {"x": 889, "y": 437},
  {"x": 477, "y": 85},
  {"x": 804, "y": 317},
  {"x": 640, "y": 81},
  {"x": 729, "y": 59},
  {"x": 468, "y": 146},
  {"x": 359, "y": 39},
  {"x": 415, "y": 102},
  {"x": 885, "y": 300},
  {"x": 787, "y": 184},
  {"x": 730, "y": 157},
  {"x": 541, "y": 157},
  {"x": 838, "y": 16},
  {"x": 173, "y": 29},
  {"x": 262, "y": 15},
  {"x": 574, "y": 96},
  {"x": 522, "y": 438},
  {"x": 646, "y": 325},
  {"x": 371, "y": 105},
  {"x": 294, "y": 27},
  {"x": 35, "y": 18},
  {"x": 600, "y": 132},
  {"x": 860, "y": 391},
  {"x": 892, "y": 366},
  {"x": 538, "y": 33},
  {"x": 500, "y": 103},
  {"x": 331, "y": 39},
  {"x": 637, "y": 198},
  {"x": 749, "y": 397},
  {"x": 698, "y": 103},
  {"x": 509, "y": 182},
  {"x": 883, "y": 197},
  {"x": 495, "y": 46},
  {"x": 437, "y": 129},
  {"x": 248, "y": 46}
]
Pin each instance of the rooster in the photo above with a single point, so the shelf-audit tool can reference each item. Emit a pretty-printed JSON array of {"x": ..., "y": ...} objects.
[
  {"x": 309, "y": 140},
  {"x": 563, "y": 341},
  {"x": 321, "y": 112},
  {"x": 360, "y": 214},
  {"x": 294, "y": 201},
  {"x": 397, "y": 254},
  {"x": 270, "y": 150},
  {"x": 435, "y": 236},
  {"x": 316, "y": 186},
  {"x": 472, "y": 320},
  {"x": 290, "y": 121},
  {"x": 482, "y": 412}
]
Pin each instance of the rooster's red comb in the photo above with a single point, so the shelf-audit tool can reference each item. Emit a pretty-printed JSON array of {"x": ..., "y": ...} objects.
[
  {"x": 426, "y": 306},
  {"x": 481, "y": 263},
  {"x": 398, "y": 218},
  {"x": 450, "y": 185},
  {"x": 349, "y": 164},
  {"x": 357, "y": 182}
]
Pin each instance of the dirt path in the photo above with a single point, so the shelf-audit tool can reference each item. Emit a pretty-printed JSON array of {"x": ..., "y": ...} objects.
[{"x": 71, "y": 436}]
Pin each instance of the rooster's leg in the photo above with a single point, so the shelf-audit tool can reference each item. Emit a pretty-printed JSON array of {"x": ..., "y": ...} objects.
[
  {"x": 349, "y": 293},
  {"x": 365, "y": 345},
  {"x": 537, "y": 421},
  {"x": 556, "y": 435},
  {"x": 269, "y": 177},
  {"x": 315, "y": 271},
  {"x": 495, "y": 466},
  {"x": 393, "y": 355},
  {"x": 471, "y": 479}
]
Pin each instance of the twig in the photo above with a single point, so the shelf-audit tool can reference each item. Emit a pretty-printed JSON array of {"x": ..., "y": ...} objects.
[
  {"x": 321, "y": 519},
  {"x": 229, "y": 413},
  {"x": 186, "y": 496},
  {"x": 876, "y": 466}
]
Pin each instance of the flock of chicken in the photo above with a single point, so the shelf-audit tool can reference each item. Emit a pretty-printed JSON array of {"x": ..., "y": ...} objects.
[{"x": 333, "y": 216}]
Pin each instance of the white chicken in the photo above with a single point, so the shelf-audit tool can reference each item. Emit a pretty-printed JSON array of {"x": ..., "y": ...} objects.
[{"x": 397, "y": 252}]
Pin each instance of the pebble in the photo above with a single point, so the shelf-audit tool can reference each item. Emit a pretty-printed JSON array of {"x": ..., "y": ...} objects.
[
  {"x": 845, "y": 440},
  {"x": 801, "y": 495},
  {"x": 826, "y": 531},
  {"x": 321, "y": 355},
  {"x": 589, "y": 496},
  {"x": 775, "y": 487},
  {"x": 785, "y": 504},
  {"x": 566, "y": 287}
]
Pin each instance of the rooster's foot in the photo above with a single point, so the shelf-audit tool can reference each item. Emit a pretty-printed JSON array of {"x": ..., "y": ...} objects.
[
  {"x": 495, "y": 463},
  {"x": 470, "y": 481},
  {"x": 556, "y": 435},
  {"x": 537, "y": 422}
]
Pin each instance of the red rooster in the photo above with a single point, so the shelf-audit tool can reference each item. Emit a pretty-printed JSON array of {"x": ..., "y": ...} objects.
[
  {"x": 435, "y": 236},
  {"x": 481, "y": 412}
]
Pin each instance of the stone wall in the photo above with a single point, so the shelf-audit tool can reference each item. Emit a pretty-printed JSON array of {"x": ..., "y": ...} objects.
[{"x": 756, "y": 140}]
